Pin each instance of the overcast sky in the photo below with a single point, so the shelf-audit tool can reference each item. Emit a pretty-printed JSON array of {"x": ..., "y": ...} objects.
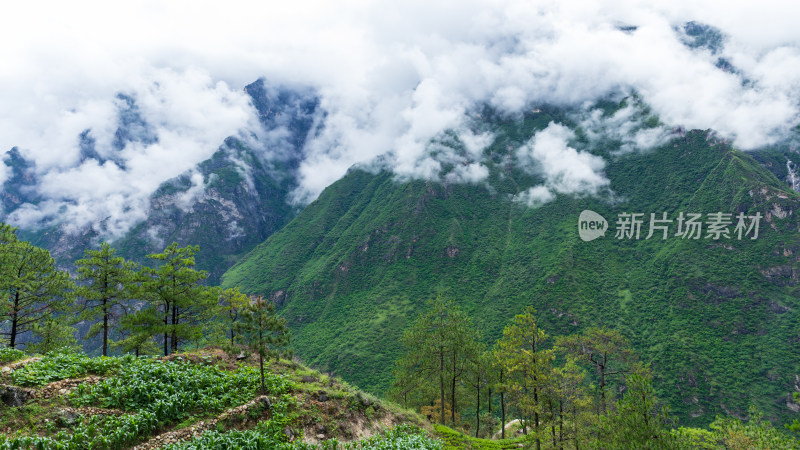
[{"x": 391, "y": 75}]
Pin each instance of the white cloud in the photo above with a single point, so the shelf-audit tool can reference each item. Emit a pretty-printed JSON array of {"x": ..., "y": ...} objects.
[
  {"x": 565, "y": 169},
  {"x": 190, "y": 116},
  {"x": 535, "y": 196}
]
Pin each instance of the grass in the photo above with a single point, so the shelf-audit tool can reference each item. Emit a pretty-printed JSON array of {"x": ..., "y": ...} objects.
[{"x": 176, "y": 393}]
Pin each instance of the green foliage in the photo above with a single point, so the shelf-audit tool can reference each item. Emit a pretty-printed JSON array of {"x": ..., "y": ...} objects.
[
  {"x": 454, "y": 440},
  {"x": 605, "y": 350},
  {"x": 8, "y": 354},
  {"x": 637, "y": 423},
  {"x": 735, "y": 434},
  {"x": 155, "y": 393},
  {"x": 64, "y": 363},
  {"x": 400, "y": 437},
  {"x": 255, "y": 439},
  {"x": 266, "y": 437},
  {"x": 527, "y": 362},
  {"x": 178, "y": 304},
  {"x": 173, "y": 390},
  {"x": 53, "y": 333},
  {"x": 232, "y": 302}
]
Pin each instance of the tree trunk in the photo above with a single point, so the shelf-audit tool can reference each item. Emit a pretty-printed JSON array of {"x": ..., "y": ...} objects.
[
  {"x": 535, "y": 397},
  {"x": 166, "y": 329},
  {"x": 441, "y": 384},
  {"x": 524, "y": 420},
  {"x": 453, "y": 393},
  {"x": 561, "y": 424},
  {"x": 575, "y": 421},
  {"x": 552, "y": 421},
  {"x": 602, "y": 389},
  {"x": 502, "y": 408},
  {"x": 261, "y": 364},
  {"x": 14, "y": 320},
  {"x": 174, "y": 328},
  {"x": 536, "y": 418},
  {"x": 105, "y": 327},
  {"x": 478, "y": 411}
]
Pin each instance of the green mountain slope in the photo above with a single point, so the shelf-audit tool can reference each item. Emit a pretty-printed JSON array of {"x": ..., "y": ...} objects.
[{"x": 717, "y": 319}]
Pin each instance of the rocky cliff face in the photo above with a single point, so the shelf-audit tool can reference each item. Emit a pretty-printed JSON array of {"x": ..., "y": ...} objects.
[{"x": 227, "y": 204}]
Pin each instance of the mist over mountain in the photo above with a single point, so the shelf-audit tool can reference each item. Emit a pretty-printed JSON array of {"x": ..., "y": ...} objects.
[{"x": 150, "y": 107}]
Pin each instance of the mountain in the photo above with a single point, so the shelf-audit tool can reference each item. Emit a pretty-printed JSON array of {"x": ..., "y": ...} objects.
[
  {"x": 227, "y": 205},
  {"x": 715, "y": 318}
]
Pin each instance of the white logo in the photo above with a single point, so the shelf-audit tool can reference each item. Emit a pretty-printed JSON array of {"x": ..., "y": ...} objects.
[{"x": 591, "y": 225}]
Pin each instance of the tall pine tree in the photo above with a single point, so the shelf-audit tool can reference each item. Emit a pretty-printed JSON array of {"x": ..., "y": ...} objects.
[
  {"x": 440, "y": 343},
  {"x": 32, "y": 287},
  {"x": 179, "y": 303},
  {"x": 607, "y": 351},
  {"x": 109, "y": 281},
  {"x": 527, "y": 362}
]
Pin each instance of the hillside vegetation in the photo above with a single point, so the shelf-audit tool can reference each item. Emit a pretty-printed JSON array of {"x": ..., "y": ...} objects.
[
  {"x": 716, "y": 319},
  {"x": 201, "y": 399}
]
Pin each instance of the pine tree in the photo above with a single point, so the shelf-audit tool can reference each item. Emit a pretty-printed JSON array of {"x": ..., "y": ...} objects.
[
  {"x": 523, "y": 355},
  {"x": 500, "y": 380},
  {"x": 439, "y": 344},
  {"x": 136, "y": 330},
  {"x": 32, "y": 286},
  {"x": 109, "y": 281},
  {"x": 179, "y": 303},
  {"x": 477, "y": 379},
  {"x": 568, "y": 390},
  {"x": 607, "y": 351},
  {"x": 263, "y": 332},
  {"x": 54, "y": 333},
  {"x": 232, "y": 302},
  {"x": 637, "y": 423}
]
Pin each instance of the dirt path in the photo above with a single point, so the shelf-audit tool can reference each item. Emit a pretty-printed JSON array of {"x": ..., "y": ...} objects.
[
  {"x": 172, "y": 437},
  {"x": 509, "y": 431},
  {"x": 8, "y": 368},
  {"x": 62, "y": 387}
]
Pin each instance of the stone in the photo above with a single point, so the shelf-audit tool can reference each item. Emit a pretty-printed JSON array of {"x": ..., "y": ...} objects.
[
  {"x": 66, "y": 417},
  {"x": 323, "y": 397},
  {"x": 14, "y": 396}
]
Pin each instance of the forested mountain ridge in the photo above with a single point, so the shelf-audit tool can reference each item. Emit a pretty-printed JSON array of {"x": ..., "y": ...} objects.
[{"x": 714, "y": 317}]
